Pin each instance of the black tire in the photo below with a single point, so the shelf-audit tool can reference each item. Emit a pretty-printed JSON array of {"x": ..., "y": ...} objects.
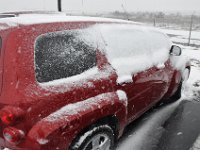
[
  {"x": 177, "y": 94},
  {"x": 83, "y": 141},
  {"x": 175, "y": 97}
]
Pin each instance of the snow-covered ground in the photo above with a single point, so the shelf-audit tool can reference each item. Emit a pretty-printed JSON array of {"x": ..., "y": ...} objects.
[{"x": 147, "y": 133}]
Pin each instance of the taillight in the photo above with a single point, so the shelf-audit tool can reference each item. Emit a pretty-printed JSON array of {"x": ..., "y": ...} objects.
[
  {"x": 10, "y": 114},
  {"x": 7, "y": 117},
  {"x": 13, "y": 135}
]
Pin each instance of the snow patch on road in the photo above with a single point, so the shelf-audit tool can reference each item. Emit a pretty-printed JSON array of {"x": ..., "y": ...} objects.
[{"x": 196, "y": 145}]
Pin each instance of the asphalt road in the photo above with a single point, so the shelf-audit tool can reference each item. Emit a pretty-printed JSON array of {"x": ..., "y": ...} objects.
[
  {"x": 182, "y": 128},
  {"x": 178, "y": 132}
]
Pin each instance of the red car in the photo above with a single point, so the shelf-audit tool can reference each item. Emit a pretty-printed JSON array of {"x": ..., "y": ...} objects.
[{"x": 76, "y": 82}]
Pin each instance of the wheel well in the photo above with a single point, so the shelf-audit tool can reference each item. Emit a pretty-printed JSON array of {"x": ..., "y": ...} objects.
[{"x": 112, "y": 121}]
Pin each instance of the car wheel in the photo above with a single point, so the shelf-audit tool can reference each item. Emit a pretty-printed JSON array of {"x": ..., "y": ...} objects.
[
  {"x": 173, "y": 98},
  {"x": 177, "y": 94},
  {"x": 97, "y": 138}
]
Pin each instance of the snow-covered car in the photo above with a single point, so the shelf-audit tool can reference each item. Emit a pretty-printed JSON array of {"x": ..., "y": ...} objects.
[{"x": 75, "y": 83}]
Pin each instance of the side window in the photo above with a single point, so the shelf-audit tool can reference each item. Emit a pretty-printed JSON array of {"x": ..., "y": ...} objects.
[{"x": 62, "y": 54}]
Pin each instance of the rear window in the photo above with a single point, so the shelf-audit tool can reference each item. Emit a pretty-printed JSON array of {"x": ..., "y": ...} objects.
[{"x": 63, "y": 54}]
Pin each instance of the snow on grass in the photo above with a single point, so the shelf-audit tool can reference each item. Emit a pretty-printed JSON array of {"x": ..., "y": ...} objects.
[
  {"x": 182, "y": 33},
  {"x": 148, "y": 133}
]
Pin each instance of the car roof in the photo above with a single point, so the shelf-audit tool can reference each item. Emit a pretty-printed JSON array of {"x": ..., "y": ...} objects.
[{"x": 8, "y": 20}]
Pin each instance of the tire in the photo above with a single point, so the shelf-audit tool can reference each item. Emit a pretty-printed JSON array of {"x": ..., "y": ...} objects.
[
  {"x": 173, "y": 98},
  {"x": 177, "y": 94},
  {"x": 101, "y": 137}
]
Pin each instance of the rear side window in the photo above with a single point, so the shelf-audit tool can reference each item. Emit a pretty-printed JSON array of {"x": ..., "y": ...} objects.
[{"x": 62, "y": 54}]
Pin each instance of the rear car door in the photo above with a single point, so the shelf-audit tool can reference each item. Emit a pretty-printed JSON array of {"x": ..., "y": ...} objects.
[{"x": 139, "y": 93}]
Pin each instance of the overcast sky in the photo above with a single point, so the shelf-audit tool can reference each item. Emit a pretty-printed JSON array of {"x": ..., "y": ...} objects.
[{"x": 102, "y": 5}]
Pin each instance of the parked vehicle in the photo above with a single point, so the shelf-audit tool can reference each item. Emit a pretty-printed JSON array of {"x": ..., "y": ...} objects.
[{"x": 76, "y": 82}]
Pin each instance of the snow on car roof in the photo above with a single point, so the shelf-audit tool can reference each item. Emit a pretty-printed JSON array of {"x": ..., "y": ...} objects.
[{"x": 29, "y": 19}]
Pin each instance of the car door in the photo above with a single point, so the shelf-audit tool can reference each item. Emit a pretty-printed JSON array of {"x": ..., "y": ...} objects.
[
  {"x": 139, "y": 93},
  {"x": 161, "y": 76}
]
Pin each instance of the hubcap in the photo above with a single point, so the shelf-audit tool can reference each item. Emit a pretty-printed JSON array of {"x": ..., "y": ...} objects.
[{"x": 99, "y": 142}]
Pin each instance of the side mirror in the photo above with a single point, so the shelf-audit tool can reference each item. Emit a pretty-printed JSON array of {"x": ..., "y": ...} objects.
[{"x": 175, "y": 50}]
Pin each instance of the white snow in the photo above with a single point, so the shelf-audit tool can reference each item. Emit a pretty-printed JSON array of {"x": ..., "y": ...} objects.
[
  {"x": 196, "y": 145},
  {"x": 6, "y": 25},
  {"x": 76, "y": 108},
  {"x": 82, "y": 76},
  {"x": 42, "y": 141},
  {"x": 132, "y": 48},
  {"x": 122, "y": 96},
  {"x": 28, "y": 19},
  {"x": 83, "y": 80},
  {"x": 179, "y": 62}
]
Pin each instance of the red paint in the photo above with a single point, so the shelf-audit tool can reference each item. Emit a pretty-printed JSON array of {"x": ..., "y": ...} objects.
[{"x": 27, "y": 104}]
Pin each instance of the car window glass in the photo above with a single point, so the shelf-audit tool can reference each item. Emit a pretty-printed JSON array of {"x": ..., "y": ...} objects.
[
  {"x": 124, "y": 41},
  {"x": 62, "y": 54}
]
